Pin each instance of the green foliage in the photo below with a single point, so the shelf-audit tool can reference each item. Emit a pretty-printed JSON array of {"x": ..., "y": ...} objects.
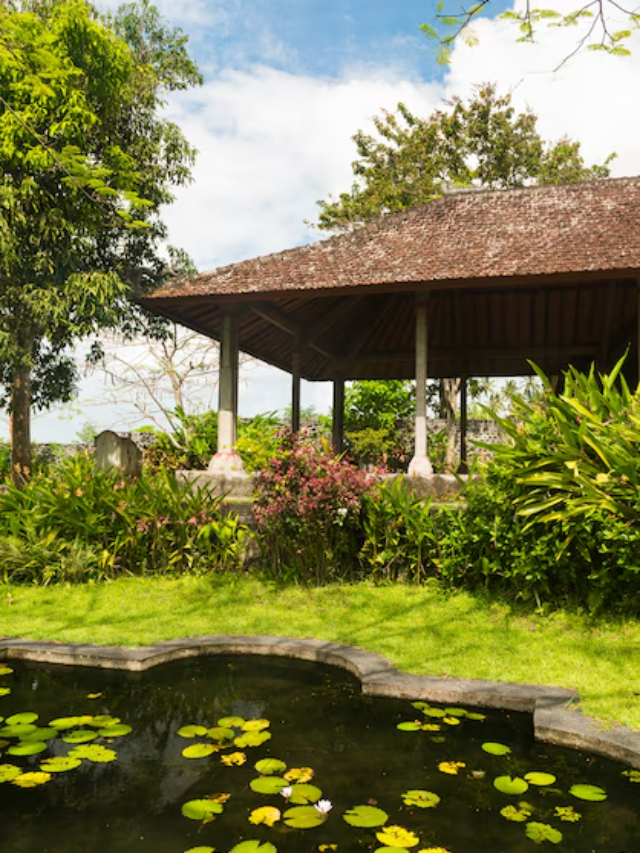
[
  {"x": 375, "y": 415},
  {"x": 86, "y": 162},
  {"x": 76, "y": 523},
  {"x": 307, "y": 510},
  {"x": 258, "y": 440},
  {"x": 399, "y": 535},
  {"x": 482, "y": 142},
  {"x": 190, "y": 445},
  {"x": 454, "y": 23}
]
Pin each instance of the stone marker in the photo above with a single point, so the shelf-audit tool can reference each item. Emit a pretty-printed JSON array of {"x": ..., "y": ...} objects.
[{"x": 115, "y": 451}]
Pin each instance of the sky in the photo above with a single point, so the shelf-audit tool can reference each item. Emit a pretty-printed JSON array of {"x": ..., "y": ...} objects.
[{"x": 288, "y": 83}]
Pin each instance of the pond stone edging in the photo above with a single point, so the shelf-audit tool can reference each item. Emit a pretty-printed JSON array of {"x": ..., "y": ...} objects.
[{"x": 554, "y": 719}]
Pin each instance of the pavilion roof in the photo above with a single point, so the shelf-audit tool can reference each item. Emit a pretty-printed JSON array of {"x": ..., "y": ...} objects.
[{"x": 584, "y": 228}]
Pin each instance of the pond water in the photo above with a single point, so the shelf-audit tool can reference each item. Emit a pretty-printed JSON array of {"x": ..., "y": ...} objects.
[{"x": 317, "y": 719}]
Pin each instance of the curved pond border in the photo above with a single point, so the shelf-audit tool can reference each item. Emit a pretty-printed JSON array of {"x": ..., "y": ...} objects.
[{"x": 554, "y": 718}]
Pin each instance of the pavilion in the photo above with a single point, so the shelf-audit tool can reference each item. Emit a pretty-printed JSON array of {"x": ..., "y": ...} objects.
[{"x": 475, "y": 283}]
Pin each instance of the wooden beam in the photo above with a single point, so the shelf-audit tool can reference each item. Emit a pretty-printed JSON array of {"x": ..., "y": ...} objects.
[
  {"x": 342, "y": 309},
  {"x": 352, "y": 353},
  {"x": 280, "y": 320},
  {"x": 608, "y": 321}
]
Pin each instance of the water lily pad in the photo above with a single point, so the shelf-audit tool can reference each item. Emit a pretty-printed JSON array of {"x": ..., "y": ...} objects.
[
  {"x": 5, "y": 670},
  {"x": 25, "y": 717},
  {"x": 9, "y": 772},
  {"x": 94, "y": 752},
  {"x": 476, "y": 715},
  {"x": 452, "y": 768},
  {"x": 299, "y": 774},
  {"x": 252, "y": 739},
  {"x": 27, "y": 748},
  {"x": 434, "y": 712},
  {"x": 199, "y": 750},
  {"x": 200, "y": 850},
  {"x": 421, "y": 799},
  {"x": 118, "y": 730},
  {"x": 397, "y": 836},
  {"x": 420, "y": 706},
  {"x": 192, "y": 731},
  {"x": 455, "y": 712},
  {"x": 17, "y": 730},
  {"x": 231, "y": 722},
  {"x": 4, "y": 691},
  {"x": 365, "y": 817},
  {"x": 103, "y": 721},
  {"x": 496, "y": 748},
  {"x": 41, "y": 733},
  {"x": 59, "y": 764},
  {"x": 567, "y": 813},
  {"x": 592, "y": 793},
  {"x": 451, "y": 721},
  {"x": 255, "y": 725},
  {"x": 303, "y": 794},
  {"x": 269, "y": 766},
  {"x": 62, "y": 723},
  {"x": 510, "y": 784},
  {"x": 203, "y": 810},
  {"x": 31, "y": 780},
  {"x": 633, "y": 775},
  {"x": 540, "y": 779},
  {"x": 268, "y": 815},
  {"x": 94, "y": 695},
  {"x": 540, "y": 832},
  {"x": 80, "y": 736},
  {"x": 220, "y": 733},
  {"x": 431, "y": 727},
  {"x": 254, "y": 847},
  {"x": 409, "y": 726},
  {"x": 268, "y": 784},
  {"x": 303, "y": 817},
  {"x": 233, "y": 759},
  {"x": 519, "y": 814}
]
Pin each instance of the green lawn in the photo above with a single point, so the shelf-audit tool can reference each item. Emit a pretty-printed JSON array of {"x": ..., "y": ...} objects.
[{"x": 420, "y": 629}]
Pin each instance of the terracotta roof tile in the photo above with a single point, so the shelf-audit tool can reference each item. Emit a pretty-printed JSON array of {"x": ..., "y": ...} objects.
[{"x": 534, "y": 231}]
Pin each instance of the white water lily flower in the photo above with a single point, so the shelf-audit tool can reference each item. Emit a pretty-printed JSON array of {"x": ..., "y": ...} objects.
[
  {"x": 324, "y": 806},
  {"x": 286, "y": 792}
]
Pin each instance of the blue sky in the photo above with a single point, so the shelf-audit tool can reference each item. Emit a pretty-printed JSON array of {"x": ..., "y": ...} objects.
[{"x": 288, "y": 82}]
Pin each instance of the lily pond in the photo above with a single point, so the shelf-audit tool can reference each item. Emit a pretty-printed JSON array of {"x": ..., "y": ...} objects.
[{"x": 261, "y": 755}]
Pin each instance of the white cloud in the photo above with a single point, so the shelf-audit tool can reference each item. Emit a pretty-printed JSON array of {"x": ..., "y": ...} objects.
[{"x": 271, "y": 144}]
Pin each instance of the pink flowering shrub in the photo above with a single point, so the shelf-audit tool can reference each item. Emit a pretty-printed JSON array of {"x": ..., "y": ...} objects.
[{"x": 308, "y": 512}]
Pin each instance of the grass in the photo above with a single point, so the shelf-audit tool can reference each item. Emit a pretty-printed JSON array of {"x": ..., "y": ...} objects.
[{"x": 420, "y": 629}]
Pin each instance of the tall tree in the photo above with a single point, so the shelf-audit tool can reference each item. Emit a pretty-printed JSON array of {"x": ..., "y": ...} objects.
[
  {"x": 86, "y": 161},
  {"x": 483, "y": 142}
]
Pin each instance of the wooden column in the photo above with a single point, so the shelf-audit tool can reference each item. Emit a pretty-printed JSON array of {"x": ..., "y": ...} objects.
[
  {"x": 227, "y": 462},
  {"x": 337, "y": 433},
  {"x": 296, "y": 377},
  {"x": 420, "y": 466},
  {"x": 464, "y": 467}
]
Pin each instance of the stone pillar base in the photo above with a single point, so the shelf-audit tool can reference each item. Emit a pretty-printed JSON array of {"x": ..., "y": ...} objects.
[
  {"x": 226, "y": 464},
  {"x": 420, "y": 466}
]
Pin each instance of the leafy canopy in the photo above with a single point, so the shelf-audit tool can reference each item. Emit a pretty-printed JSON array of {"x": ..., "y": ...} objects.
[
  {"x": 85, "y": 163},
  {"x": 482, "y": 142}
]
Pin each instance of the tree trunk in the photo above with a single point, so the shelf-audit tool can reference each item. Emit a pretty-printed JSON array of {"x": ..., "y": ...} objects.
[
  {"x": 20, "y": 428},
  {"x": 449, "y": 389}
]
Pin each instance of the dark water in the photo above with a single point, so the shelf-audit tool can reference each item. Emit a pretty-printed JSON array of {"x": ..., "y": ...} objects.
[{"x": 318, "y": 719}]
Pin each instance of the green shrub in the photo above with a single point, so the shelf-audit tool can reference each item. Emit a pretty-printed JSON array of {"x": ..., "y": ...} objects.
[
  {"x": 399, "y": 536},
  {"x": 190, "y": 445},
  {"x": 148, "y": 525},
  {"x": 258, "y": 440},
  {"x": 308, "y": 510}
]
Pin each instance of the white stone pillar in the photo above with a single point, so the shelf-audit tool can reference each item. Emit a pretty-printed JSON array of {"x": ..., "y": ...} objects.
[
  {"x": 337, "y": 432},
  {"x": 226, "y": 462},
  {"x": 420, "y": 466}
]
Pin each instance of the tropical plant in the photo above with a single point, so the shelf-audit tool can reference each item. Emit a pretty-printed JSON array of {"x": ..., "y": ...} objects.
[
  {"x": 153, "y": 524},
  {"x": 307, "y": 510}
]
